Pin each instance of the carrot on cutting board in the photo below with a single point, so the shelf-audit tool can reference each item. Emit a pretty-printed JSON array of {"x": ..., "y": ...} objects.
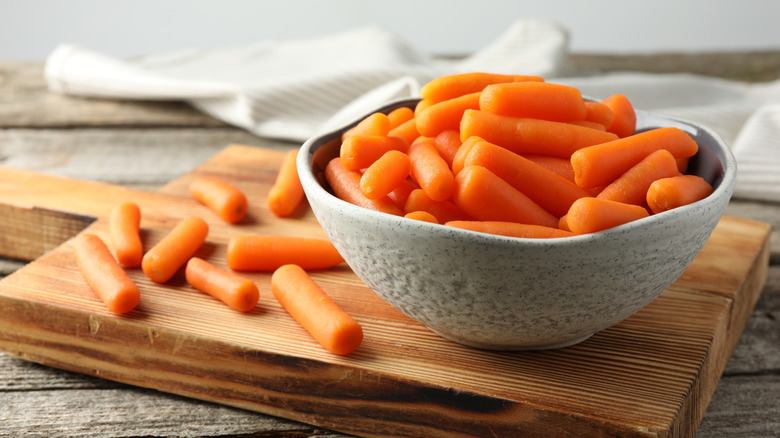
[
  {"x": 345, "y": 184},
  {"x": 125, "y": 226},
  {"x": 104, "y": 275},
  {"x": 511, "y": 229},
  {"x": 162, "y": 261},
  {"x": 549, "y": 190},
  {"x": 385, "y": 174},
  {"x": 601, "y": 164},
  {"x": 430, "y": 170},
  {"x": 458, "y": 84},
  {"x": 485, "y": 196},
  {"x": 538, "y": 100},
  {"x": 360, "y": 151},
  {"x": 286, "y": 194},
  {"x": 530, "y": 136},
  {"x": 623, "y": 115},
  {"x": 631, "y": 187},
  {"x": 268, "y": 252},
  {"x": 220, "y": 196},
  {"x": 589, "y": 215},
  {"x": 234, "y": 290},
  {"x": 676, "y": 191},
  {"x": 445, "y": 115},
  {"x": 315, "y": 311}
]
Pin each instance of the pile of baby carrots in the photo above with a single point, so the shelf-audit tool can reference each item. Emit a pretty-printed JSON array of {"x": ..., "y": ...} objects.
[
  {"x": 517, "y": 156},
  {"x": 286, "y": 257}
]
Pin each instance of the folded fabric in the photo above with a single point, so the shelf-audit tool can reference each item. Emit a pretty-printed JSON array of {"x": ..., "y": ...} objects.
[{"x": 295, "y": 89}]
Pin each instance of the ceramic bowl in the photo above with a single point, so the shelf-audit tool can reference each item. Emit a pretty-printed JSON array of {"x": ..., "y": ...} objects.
[{"x": 502, "y": 293}]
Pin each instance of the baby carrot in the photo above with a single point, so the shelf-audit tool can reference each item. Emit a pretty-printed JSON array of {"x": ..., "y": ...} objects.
[
  {"x": 345, "y": 184},
  {"x": 676, "y": 191},
  {"x": 385, "y": 174},
  {"x": 104, "y": 275},
  {"x": 447, "y": 143},
  {"x": 374, "y": 124},
  {"x": 430, "y": 170},
  {"x": 286, "y": 194},
  {"x": 561, "y": 166},
  {"x": 124, "y": 223},
  {"x": 445, "y": 115},
  {"x": 589, "y": 215},
  {"x": 601, "y": 164},
  {"x": 443, "y": 211},
  {"x": 486, "y": 197},
  {"x": 422, "y": 216},
  {"x": 600, "y": 113},
  {"x": 458, "y": 84},
  {"x": 399, "y": 115},
  {"x": 538, "y": 100},
  {"x": 359, "y": 151},
  {"x": 268, "y": 252},
  {"x": 549, "y": 190},
  {"x": 162, "y": 261},
  {"x": 530, "y": 136},
  {"x": 463, "y": 152},
  {"x": 623, "y": 115},
  {"x": 237, "y": 292},
  {"x": 401, "y": 192},
  {"x": 587, "y": 124},
  {"x": 315, "y": 311},
  {"x": 406, "y": 130},
  {"x": 511, "y": 229},
  {"x": 221, "y": 197},
  {"x": 631, "y": 187}
]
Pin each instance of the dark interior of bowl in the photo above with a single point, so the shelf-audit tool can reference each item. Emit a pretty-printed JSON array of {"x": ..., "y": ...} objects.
[{"x": 707, "y": 163}]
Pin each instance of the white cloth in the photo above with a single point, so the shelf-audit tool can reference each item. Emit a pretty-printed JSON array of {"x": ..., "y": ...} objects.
[{"x": 295, "y": 89}]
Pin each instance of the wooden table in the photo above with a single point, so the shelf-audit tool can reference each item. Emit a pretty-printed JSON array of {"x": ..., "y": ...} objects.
[{"x": 144, "y": 145}]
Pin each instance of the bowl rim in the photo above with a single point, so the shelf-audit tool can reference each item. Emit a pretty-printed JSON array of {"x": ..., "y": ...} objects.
[{"x": 723, "y": 186}]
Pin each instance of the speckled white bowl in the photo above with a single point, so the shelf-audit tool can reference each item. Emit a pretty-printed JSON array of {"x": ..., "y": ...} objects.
[{"x": 501, "y": 293}]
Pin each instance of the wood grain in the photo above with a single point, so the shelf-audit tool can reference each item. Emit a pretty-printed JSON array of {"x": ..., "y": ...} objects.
[{"x": 651, "y": 375}]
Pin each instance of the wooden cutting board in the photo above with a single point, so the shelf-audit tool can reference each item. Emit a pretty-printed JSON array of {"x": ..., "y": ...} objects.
[{"x": 650, "y": 375}]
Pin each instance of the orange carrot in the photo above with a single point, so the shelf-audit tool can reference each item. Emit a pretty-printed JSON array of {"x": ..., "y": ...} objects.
[
  {"x": 530, "y": 136},
  {"x": 601, "y": 164},
  {"x": 485, "y": 196},
  {"x": 399, "y": 115},
  {"x": 125, "y": 223},
  {"x": 682, "y": 164},
  {"x": 676, "y": 191},
  {"x": 220, "y": 196},
  {"x": 546, "y": 188},
  {"x": 447, "y": 143},
  {"x": 315, "y": 311},
  {"x": 237, "y": 292},
  {"x": 374, "y": 124},
  {"x": 286, "y": 194},
  {"x": 538, "y": 100},
  {"x": 385, "y": 174},
  {"x": 268, "y": 252},
  {"x": 624, "y": 117},
  {"x": 162, "y": 261},
  {"x": 406, "y": 130},
  {"x": 561, "y": 166},
  {"x": 587, "y": 124},
  {"x": 445, "y": 115},
  {"x": 401, "y": 192},
  {"x": 463, "y": 152},
  {"x": 359, "y": 151},
  {"x": 589, "y": 215},
  {"x": 422, "y": 216},
  {"x": 421, "y": 105},
  {"x": 600, "y": 113},
  {"x": 345, "y": 184},
  {"x": 430, "y": 170},
  {"x": 454, "y": 85},
  {"x": 104, "y": 275},
  {"x": 563, "y": 223},
  {"x": 443, "y": 211},
  {"x": 511, "y": 229},
  {"x": 631, "y": 187}
]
